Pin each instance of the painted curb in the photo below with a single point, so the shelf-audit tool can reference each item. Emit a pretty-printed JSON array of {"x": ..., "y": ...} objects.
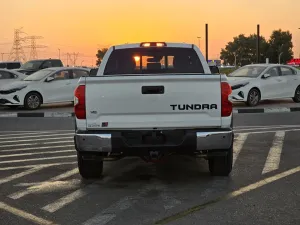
[{"x": 71, "y": 114}]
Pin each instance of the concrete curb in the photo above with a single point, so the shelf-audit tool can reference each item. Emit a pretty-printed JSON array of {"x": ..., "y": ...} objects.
[{"x": 71, "y": 114}]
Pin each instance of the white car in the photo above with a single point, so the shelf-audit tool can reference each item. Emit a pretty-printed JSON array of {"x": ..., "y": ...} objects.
[
  {"x": 51, "y": 85},
  {"x": 256, "y": 82},
  {"x": 9, "y": 76}
]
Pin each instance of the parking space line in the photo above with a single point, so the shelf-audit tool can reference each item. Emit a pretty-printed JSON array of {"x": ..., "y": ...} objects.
[
  {"x": 23, "y": 133},
  {"x": 117, "y": 207},
  {"x": 22, "y": 174},
  {"x": 25, "y": 215},
  {"x": 35, "y": 153},
  {"x": 38, "y": 139},
  {"x": 238, "y": 145},
  {"x": 37, "y": 136},
  {"x": 266, "y": 131},
  {"x": 266, "y": 128},
  {"x": 231, "y": 195},
  {"x": 36, "y": 143},
  {"x": 37, "y": 148},
  {"x": 31, "y": 190},
  {"x": 31, "y": 166},
  {"x": 64, "y": 200},
  {"x": 273, "y": 159},
  {"x": 38, "y": 159},
  {"x": 60, "y": 203}
]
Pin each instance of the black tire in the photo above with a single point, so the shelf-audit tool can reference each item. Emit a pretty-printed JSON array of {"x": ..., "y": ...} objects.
[
  {"x": 296, "y": 97},
  {"x": 253, "y": 97},
  {"x": 89, "y": 169},
  {"x": 33, "y": 100},
  {"x": 221, "y": 165}
]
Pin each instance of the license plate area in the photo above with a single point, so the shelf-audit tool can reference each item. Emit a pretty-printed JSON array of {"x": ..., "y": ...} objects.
[{"x": 153, "y": 138}]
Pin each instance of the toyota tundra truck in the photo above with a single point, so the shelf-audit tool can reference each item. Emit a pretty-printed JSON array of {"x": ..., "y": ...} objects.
[{"x": 152, "y": 100}]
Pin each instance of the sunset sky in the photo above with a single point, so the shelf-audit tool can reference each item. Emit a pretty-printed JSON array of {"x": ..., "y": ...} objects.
[{"x": 83, "y": 26}]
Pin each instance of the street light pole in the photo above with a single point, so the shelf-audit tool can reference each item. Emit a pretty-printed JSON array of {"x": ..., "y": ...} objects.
[
  {"x": 299, "y": 48},
  {"x": 59, "y": 53},
  {"x": 199, "y": 38}
]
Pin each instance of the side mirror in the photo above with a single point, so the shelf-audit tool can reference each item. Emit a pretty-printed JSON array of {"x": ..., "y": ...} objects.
[
  {"x": 265, "y": 76},
  {"x": 49, "y": 79}
]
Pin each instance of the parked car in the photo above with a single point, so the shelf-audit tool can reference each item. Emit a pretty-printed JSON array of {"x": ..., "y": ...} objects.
[
  {"x": 93, "y": 72},
  {"x": 152, "y": 100},
  {"x": 51, "y": 85},
  {"x": 9, "y": 76},
  {"x": 256, "y": 82},
  {"x": 35, "y": 65},
  {"x": 10, "y": 65}
]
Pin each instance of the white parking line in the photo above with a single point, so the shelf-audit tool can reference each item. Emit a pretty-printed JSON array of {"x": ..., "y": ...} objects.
[
  {"x": 38, "y": 139},
  {"x": 36, "y": 153},
  {"x": 22, "y": 174},
  {"x": 60, "y": 203},
  {"x": 32, "y": 189},
  {"x": 23, "y": 133},
  {"x": 124, "y": 203},
  {"x": 31, "y": 166},
  {"x": 38, "y": 148},
  {"x": 38, "y": 159},
  {"x": 238, "y": 145},
  {"x": 36, "y": 143},
  {"x": 64, "y": 200},
  {"x": 25, "y": 215},
  {"x": 273, "y": 159},
  {"x": 32, "y": 137}
]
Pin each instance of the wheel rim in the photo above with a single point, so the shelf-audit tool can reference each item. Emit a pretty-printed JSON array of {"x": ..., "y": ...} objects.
[
  {"x": 298, "y": 94},
  {"x": 33, "y": 101},
  {"x": 254, "y": 97}
]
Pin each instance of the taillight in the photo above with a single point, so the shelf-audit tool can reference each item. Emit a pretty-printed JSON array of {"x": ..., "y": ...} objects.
[
  {"x": 226, "y": 105},
  {"x": 79, "y": 102}
]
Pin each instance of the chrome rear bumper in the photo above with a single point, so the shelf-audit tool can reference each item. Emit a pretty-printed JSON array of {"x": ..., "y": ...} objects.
[{"x": 205, "y": 140}]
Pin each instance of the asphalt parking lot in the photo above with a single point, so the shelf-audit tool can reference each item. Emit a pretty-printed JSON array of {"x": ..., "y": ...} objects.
[{"x": 40, "y": 184}]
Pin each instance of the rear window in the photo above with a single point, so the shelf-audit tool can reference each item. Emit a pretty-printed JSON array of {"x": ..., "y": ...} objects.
[
  {"x": 153, "y": 61},
  {"x": 3, "y": 65},
  {"x": 13, "y": 65}
]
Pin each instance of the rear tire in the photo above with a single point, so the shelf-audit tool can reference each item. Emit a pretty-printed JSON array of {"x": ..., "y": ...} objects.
[
  {"x": 296, "y": 97},
  {"x": 221, "y": 165},
  {"x": 89, "y": 169}
]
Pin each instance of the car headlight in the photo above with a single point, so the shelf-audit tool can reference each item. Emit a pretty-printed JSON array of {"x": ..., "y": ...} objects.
[
  {"x": 6, "y": 92},
  {"x": 237, "y": 86}
]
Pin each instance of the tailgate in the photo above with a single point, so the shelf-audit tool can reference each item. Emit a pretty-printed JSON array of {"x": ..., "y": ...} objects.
[{"x": 156, "y": 101}]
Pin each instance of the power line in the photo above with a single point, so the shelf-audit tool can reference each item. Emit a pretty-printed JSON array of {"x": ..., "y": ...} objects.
[
  {"x": 17, "y": 52},
  {"x": 33, "y": 46}
]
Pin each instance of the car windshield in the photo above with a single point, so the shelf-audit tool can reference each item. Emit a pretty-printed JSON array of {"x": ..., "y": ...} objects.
[
  {"x": 248, "y": 71},
  {"x": 32, "y": 65},
  {"x": 39, "y": 75},
  {"x": 153, "y": 60}
]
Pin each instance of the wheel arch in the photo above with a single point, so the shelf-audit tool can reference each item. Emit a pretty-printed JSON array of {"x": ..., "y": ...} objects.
[{"x": 37, "y": 92}]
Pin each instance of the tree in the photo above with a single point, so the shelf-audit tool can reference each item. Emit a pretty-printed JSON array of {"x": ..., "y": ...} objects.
[
  {"x": 242, "y": 50},
  {"x": 280, "y": 42},
  {"x": 100, "y": 54}
]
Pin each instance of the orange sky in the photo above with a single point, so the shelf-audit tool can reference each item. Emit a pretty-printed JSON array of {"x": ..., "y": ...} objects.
[{"x": 83, "y": 26}]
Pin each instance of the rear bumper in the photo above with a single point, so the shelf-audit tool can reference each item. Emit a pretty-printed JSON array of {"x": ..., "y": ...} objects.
[{"x": 192, "y": 141}]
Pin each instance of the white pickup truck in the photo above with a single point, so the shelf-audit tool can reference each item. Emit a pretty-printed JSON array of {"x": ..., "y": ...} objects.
[{"x": 152, "y": 100}]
